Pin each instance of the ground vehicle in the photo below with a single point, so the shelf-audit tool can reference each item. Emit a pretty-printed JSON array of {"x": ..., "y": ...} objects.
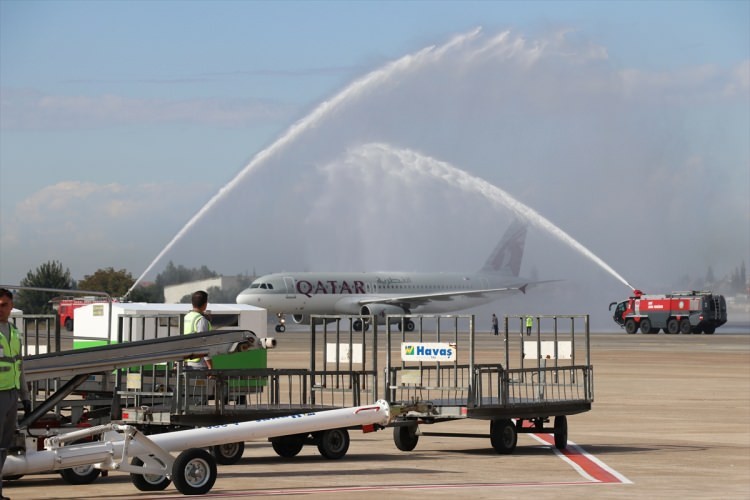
[
  {"x": 65, "y": 307},
  {"x": 683, "y": 312}
]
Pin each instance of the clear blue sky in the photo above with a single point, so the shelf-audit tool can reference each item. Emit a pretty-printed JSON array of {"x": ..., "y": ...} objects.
[{"x": 118, "y": 120}]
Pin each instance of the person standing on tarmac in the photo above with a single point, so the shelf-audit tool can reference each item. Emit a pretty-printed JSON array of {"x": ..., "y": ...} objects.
[
  {"x": 494, "y": 323},
  {"x": 197, "y": 322},
  {"x": 12, "y": 381},
  {"x": 529, "y": 324}
]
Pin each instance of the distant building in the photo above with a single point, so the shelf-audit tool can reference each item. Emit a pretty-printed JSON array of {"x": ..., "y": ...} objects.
[{"x": 173, "y": 294}]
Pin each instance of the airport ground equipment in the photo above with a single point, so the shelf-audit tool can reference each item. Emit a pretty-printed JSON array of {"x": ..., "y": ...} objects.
[
  {"x": 149, "y": 459},
  {"x": 432, "y": 374},
  {"x": 676, "y": 312}
]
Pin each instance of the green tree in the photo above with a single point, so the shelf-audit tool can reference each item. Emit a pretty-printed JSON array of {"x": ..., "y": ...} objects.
[
  {"x": 173, "y": 275},
  {"x": 115, "y": 283},
  {"x": 147, "y": 293},
  {"x": 49, "y": 275}
]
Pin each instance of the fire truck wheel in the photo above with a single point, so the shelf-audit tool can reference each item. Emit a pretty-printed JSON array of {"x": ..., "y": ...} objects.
[
  {"x": 709, "y": 330},
  {"x": 503, "y": 436},
  {"x": 630, "y": 326},
  {"x": 194, "y": 472},
  {"x": 685, "y": 326},
  {"x": 83, "y": 474},
  {"x": 333, "y": 443},
  {"x": 288, "y": 446},
  {"x": 228, "y": 454},
  {"x": 405, "y": 437},
  {"x": 148, "y": 482},
  {"x": 69, "y": 324},
  {"x": 561, "y": 432},
  {"x": 673, "y": 326},
  {"x": 645, "y": 325}
]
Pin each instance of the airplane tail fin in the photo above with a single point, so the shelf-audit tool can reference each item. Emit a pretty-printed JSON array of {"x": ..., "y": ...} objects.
[{"x": 507, "y": 255}]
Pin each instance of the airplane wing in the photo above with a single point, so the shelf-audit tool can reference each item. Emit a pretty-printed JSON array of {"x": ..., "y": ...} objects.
[{"x": 421, "y": 299}]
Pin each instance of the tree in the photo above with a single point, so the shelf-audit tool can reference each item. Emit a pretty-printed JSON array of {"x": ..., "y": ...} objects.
[
  {"x": 115, "y": 283},
  {"x": 173, "y": 275},
  {"x": 48, "y": 275}
]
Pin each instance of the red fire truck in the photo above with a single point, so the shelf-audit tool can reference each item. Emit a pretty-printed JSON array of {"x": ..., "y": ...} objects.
[
  {"x": 683, "y": 312},
  {"x": 66, "y": 305}
]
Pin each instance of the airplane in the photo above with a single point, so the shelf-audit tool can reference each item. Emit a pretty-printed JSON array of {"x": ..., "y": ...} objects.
[{"x": 381, "y": 293}]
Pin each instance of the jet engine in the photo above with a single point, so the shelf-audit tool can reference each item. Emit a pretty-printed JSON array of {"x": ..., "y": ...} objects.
[{"x": 380, "y": 311}]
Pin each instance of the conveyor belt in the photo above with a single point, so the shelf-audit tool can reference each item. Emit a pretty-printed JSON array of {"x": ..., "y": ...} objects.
[{"x": 106, "y": 358}]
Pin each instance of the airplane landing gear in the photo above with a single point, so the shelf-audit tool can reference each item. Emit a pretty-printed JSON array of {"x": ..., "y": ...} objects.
[{"x": 281, "y": 327}]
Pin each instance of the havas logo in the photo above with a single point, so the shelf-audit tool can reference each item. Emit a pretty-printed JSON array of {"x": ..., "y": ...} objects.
[{"x": 428, "y": 351}]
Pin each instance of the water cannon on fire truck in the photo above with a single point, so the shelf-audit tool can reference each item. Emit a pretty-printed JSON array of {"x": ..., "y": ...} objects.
[{"x": 676, "y": 312}]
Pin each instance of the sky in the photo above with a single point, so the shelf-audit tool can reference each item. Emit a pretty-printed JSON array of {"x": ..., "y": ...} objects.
[{"x": 257, "y": 137}]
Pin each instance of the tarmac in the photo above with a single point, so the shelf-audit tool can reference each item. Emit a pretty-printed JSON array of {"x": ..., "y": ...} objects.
[{"x": 671, "y": 418}]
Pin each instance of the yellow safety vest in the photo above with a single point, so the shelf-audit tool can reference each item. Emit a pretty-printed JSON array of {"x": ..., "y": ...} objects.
[
  {"x": 190, "y": 325},
  {"x": 529, "y": 322},
  {"x": 10, "y": 360}
]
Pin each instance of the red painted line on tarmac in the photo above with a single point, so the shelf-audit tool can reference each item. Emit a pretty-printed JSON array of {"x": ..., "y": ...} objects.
[{"x": 587, "y": 465}]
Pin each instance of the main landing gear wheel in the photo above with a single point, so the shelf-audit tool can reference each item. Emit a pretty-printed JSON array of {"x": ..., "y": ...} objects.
[
  {"x": 288, "y": 446},
  {"x": 194, "y": 472},
  {"x": 503, "y": 436},
  {"x": 228, "y": 454},
  {"x": 148, "y": 482},
  {"x": 405, "y": 437},
  {"x": 333, "y": 443},
  {"x": 561, "y": 432}
]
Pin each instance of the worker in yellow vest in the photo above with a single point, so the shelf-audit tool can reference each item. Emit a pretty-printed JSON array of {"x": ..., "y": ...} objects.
[
  {"x": 197, "y": 322},
  {"x": 12, "y": 381},
  {"x": 529, "y": 324}
]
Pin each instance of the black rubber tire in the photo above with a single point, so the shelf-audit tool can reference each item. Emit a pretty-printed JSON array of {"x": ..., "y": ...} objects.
[
  {"x": 503, "y": 436},
  {"x": 561, "y": 432},
  {"x": 630, "y": 326},
  {"x": 673, "y": 327},
  {"x": 69, "y": 324},
  {"x": 288, "y": 446},
  {"x": 709, "y": 330},
  {"x": 194, "y": 472},
  {"x": 409, "y": 325},
  {"x": 405, "y": 437},
  {"x": 645, "y": 325},
  {"x": 333, "y": 443},
  {"x": 148, "y": 482},
  {"x": 280, "y": 328},
  {"x": 83, "y": 474},
  {"x": 685, "y": 327},
  {"x": 228, "y": 454}
]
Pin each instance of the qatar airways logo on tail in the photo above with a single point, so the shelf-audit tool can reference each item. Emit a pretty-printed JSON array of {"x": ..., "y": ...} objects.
[{"x": 309, "y": 288}]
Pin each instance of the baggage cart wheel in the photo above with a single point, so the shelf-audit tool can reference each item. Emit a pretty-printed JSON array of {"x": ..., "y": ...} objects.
[
  {"x": 194, "y": 472},
  {"x": 405, "y": 437},
  {"x": 503, "y": 436},
  {"x": 83, "y": 474},
  {"x": 561, "y": 432},
  {"x": 333, "y": 443},
  {"x": 148, "y": 482},
  {"x": 288, "y": 446},
  {"x": 229, "y": 453}
]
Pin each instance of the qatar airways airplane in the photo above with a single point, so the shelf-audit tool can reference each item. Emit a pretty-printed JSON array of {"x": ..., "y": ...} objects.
[{"x": 381, "y": 293}]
